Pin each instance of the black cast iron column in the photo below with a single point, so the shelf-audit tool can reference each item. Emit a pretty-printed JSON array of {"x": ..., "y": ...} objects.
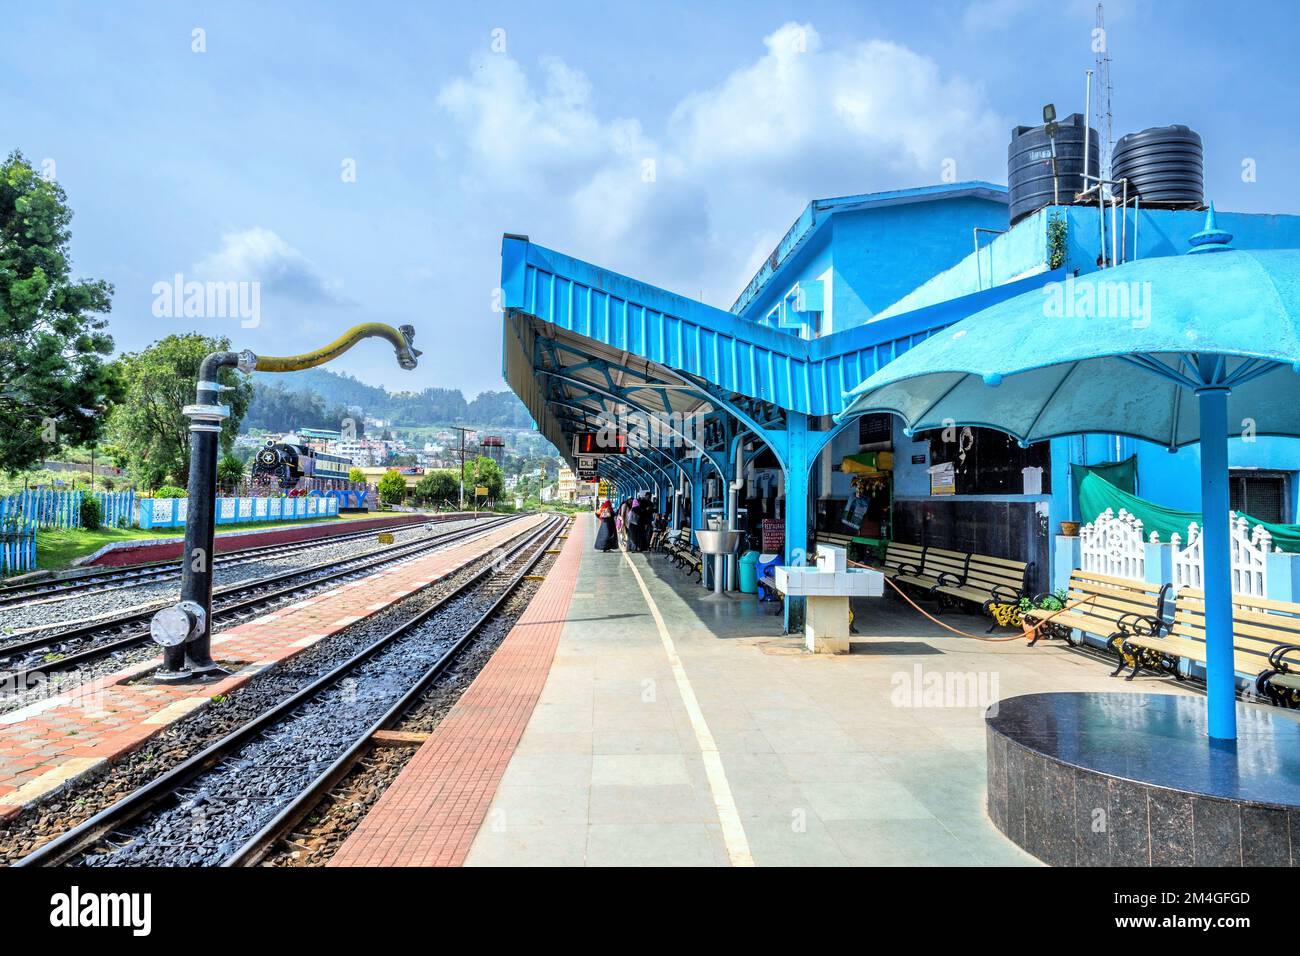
[{"x": 193, "y": 655}]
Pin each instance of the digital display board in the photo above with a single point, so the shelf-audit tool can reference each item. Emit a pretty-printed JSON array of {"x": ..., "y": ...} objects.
[{"x": 599, "y": 443}]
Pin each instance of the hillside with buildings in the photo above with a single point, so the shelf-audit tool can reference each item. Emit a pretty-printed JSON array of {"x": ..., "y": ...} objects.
[{"x": 319, "y": 398}]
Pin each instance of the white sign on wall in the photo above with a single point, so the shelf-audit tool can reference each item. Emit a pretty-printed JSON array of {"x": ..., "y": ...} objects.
[{"x": 943, "y": 479}]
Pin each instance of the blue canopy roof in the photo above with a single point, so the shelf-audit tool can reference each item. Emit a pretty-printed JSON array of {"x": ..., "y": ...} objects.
[
  {"x": 1119, "y": 351},
  {"x": 572, "y": 327}
]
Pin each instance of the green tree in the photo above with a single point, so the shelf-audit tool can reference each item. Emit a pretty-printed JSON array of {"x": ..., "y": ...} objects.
[
  {"x": 148, "y": 425},
  {"x": 230, "y": 470},
  {"x": 486, "y": 472},
  {"x": 356, "y": 476},
  {"x": 392, "y": 488},
  {"x": 438, "y": 486},
  {"x": 54, "y": 382}
]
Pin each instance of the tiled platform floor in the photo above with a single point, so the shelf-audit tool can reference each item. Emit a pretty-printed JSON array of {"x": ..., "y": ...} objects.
[
  {"x": 825, "y": 760},
  {"x": 432, "y": 811},
  {"x": 44, "y": 745}
]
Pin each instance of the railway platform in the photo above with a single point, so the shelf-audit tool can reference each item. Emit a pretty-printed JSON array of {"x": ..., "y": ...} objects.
[
  {"x": 73, "y": 733},
  {"x": 628, "y": 721}
]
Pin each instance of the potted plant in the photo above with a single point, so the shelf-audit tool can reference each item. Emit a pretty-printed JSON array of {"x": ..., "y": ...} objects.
[
  {"x": 1070, "y": 529},
  {"x": 1049, "y": 603}
]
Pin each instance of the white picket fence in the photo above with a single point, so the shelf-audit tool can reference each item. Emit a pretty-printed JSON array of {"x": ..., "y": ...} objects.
[
  {"x": 1113, "y": 544},
  {"x": 1250, "y": 550}
]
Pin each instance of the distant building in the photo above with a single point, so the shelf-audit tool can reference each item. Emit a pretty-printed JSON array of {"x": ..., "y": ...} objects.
[{"x": 567, "y": 486}]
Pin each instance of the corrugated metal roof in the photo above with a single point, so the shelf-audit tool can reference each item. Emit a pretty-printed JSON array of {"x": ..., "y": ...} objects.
[{"x": 579, "y": 309}]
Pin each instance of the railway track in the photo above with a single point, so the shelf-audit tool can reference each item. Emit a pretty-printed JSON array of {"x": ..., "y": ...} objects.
[
  {"x": 31, "y": 658},
  {"x": 228, "y": 803},
  {"x": 27, "y": 594}
]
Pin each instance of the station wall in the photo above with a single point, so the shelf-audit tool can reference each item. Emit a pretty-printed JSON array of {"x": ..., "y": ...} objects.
[{"x": 874, "y": 256}]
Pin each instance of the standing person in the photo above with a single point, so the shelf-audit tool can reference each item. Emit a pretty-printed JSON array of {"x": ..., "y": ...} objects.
[
  {"x": 621, "y": 524},
  {"x": 635, "y": 515},
  {"x": 607, "y": 534},
  {"x": 648, "y": 509}
]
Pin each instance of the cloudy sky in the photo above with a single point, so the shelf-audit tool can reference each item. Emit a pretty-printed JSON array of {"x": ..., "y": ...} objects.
[{"x": 361, "y": 160}]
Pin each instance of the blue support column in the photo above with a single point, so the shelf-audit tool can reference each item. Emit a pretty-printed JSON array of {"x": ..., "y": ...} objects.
[
  {"x": 1220, "y": 679},
  {"x": 799, "y": 461}
]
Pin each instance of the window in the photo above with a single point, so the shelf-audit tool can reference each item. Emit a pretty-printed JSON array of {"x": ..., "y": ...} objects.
[
  {"x": 1261, "y": 494},
  {"x": 989, "y": 462}
]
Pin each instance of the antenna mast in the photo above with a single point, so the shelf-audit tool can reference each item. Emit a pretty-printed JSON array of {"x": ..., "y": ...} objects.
[{"x": 1105, "y": 135}]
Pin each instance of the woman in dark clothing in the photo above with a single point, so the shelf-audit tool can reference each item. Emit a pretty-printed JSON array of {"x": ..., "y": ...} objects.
[
  {"x": 607, "y": 533},
  {"x": 647, "y": 522}
]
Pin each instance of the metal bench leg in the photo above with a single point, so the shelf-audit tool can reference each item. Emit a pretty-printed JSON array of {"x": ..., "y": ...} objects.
[
  {"x": 1137, "y": 666},
  {"x": 1119, "y": 650}
]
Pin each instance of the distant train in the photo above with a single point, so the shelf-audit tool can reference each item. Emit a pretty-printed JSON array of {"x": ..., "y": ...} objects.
[{"x": 290, "y": 462}]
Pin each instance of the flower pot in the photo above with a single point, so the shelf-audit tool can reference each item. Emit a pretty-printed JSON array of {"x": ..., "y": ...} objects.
[{"x": 1070, "y": 529}]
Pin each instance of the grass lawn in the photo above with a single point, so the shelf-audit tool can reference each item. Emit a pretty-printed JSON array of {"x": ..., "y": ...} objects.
[{"x": 58, "y": 548}]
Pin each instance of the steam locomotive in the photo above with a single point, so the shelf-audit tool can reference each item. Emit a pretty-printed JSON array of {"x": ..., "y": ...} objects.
[{"x": 289, "y": 462}]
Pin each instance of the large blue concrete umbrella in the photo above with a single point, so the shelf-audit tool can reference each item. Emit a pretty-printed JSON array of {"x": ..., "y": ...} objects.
[{"x": 1207, "y": 345}]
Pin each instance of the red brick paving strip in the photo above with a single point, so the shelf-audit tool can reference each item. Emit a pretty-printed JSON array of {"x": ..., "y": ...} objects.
[
  {"x": 46, "y": 744},
  {"x": 431, "y": 813}
]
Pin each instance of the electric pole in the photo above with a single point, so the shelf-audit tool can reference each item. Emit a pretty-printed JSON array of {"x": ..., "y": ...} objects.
[{"x": 462, "y": 430}]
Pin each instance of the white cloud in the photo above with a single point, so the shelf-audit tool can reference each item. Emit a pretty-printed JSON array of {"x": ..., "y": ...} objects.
[
  {"x": 262, "y": 255},
  {"x": 733, "y": 164},
  {"x": 872, "y": 116},
  {"x": 515, "y": 130}
]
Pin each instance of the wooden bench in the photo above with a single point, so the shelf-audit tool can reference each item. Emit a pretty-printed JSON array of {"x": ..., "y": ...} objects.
[
  {"x": 923, "y": 568},
  {"x": 900, "y": 558},
  {"x": 996, "y": 585},
  {"x": 659, "y": 538},
  {"x": 1281, "y": 682},
  {"x": 678, "y": 548},
  {"x": 1263, "y": 631},
  {"x": 844, "y": 541},
  {"x": 1109, "y": 607}
]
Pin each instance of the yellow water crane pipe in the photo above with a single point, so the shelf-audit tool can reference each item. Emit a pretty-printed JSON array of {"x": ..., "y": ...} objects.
[
  {"x": 400, "y": 339},
  {"x": 185, "y": 629}
]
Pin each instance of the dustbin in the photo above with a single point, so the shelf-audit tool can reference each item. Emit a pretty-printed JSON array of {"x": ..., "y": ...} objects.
[{"x": 749, "y": 572}]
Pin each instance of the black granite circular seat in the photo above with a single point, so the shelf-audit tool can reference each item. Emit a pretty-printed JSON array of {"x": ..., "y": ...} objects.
[{"x": 1084, "y": 779}]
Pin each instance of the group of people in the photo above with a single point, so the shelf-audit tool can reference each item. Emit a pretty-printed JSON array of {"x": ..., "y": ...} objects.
[{"x": 629, "y": 526}]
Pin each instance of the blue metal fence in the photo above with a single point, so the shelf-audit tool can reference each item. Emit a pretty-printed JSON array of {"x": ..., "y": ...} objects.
[
  {"x": 44, "y": 508},
  {"x": 17, "y": 549}
]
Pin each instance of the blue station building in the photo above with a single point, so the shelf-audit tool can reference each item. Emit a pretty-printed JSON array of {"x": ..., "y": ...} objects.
[{"x": 855, "y": 282}]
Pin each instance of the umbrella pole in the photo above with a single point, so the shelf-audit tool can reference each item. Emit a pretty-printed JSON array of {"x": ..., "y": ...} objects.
[{"x": 1220, "y": 679}]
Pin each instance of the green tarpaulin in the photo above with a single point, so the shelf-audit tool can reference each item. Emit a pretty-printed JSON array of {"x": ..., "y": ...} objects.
[
  {"x": 1121, "y": 474},
  {"x": 1096, "y": 494}
]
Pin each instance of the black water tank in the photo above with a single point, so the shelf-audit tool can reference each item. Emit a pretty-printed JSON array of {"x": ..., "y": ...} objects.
[
  {"x": 1029, "y": 165},
  {"x": 1164, "y": 164}
]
